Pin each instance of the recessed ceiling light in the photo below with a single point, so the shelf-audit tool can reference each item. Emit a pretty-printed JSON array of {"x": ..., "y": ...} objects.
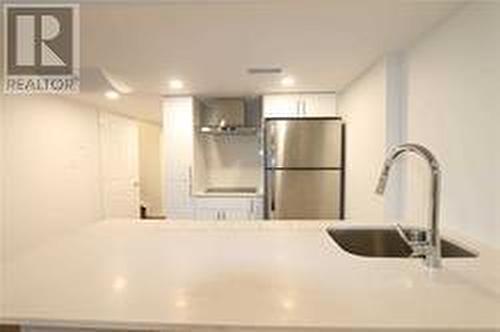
[
  {"x": 176, "y": 84},
  {"x": 112, "y": 94},
  {"x": 287, "y": 81}
]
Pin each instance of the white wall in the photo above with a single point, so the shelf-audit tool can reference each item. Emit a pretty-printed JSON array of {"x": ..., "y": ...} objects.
[
  {"x": 454, "y": 109},
  {"x": 150, "y": 167},
  {"x": 362, "y": 106},
  {"x": 442, "y": 94},
  {"x": 2, "y": 160},
  {"x": 370, "y": 108},
  {"x": 51, "y": 170}
]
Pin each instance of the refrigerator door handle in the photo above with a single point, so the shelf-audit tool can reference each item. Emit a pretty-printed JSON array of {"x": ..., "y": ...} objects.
[
  {"x": 272, "y": 185},
  {"x": 271, "y": 154}
]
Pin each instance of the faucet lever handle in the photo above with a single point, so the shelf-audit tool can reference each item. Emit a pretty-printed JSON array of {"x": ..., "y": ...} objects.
[{"x": 401, "y": 233}]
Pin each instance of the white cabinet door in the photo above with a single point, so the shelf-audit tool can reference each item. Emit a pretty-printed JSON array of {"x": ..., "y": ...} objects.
[
  {"x": 178, "y": 136},
  {"x": 240, "y": 214},
  {"x": 227, "y": 208},
  {"x": 319, "y": 105},
  {"x": 180, "y": 203},
  {"x": 281, "y": 105},
  {"x": 209, "y": 208},
  {"x": 300, "y": 105},
  {"x": 207, "y": 214},
  {"x": 221, "y": 214},
  {"x": 178, "y": 156},
  {"x": 257, "y": 209}
]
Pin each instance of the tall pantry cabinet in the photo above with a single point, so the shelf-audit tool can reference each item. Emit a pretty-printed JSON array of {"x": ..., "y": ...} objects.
[{"x": 178, "y": 152}]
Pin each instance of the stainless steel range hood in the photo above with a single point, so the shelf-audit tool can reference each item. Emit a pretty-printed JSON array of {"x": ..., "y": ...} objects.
[{"x": 230, "y": 116}]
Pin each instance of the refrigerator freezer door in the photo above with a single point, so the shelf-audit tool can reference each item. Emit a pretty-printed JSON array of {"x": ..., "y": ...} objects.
[
  {"x": 311, "y": 143},
  {"x": 304, "y": 194}
]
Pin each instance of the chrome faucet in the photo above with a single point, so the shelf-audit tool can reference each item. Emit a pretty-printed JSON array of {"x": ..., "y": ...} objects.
[{"x": 432, "y": 246}]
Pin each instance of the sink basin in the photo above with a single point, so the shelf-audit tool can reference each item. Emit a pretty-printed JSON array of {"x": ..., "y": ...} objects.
[{"x": 388, "y": 243}]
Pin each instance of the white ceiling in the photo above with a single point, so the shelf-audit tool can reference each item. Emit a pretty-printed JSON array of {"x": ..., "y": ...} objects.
[{"x": 209, "y": 45}]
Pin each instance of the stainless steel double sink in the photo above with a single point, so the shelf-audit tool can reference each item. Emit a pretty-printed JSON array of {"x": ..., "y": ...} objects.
[{"x": 387, "y": 242}]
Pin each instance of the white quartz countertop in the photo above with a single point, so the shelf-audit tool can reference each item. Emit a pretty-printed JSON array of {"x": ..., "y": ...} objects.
[{"x": 200, "y": 275}]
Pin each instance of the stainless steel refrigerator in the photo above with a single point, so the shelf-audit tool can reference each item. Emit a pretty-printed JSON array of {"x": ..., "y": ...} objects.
[{"x": 304, "y": 168}]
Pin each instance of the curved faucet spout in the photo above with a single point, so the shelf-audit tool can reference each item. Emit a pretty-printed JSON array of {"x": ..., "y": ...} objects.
[{"x": 433, "y": 256}]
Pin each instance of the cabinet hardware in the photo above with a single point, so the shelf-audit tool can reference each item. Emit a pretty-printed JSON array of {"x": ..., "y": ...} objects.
[
  {"x": 190, "y": 178},
  {"x": 272, "y": 202},
  {"x": 272, "y": 146}
]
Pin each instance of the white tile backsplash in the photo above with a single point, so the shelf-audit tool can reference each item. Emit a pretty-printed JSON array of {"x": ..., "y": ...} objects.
[{"x": 232, "y": 161}]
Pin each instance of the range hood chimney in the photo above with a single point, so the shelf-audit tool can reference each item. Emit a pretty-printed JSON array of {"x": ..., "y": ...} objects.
[{"x": 236, "y": 116}]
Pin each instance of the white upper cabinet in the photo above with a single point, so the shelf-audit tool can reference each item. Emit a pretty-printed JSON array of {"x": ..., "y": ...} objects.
[
  {"x": 319, "y": 105},
  {"x": 300, "y": 105},
  {"x": 178, "y": 137},
  {"x": 282, "y": 105}
]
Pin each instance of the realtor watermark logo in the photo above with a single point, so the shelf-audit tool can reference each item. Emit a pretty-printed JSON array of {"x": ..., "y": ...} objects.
[{"x": 41, "y": 49}]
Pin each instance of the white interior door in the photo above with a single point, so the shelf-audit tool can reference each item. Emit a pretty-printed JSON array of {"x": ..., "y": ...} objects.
[{"x": 120, "y": 166}]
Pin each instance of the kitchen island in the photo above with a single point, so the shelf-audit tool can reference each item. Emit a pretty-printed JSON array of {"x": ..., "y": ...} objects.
[{"x": 211, "y": 276}]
